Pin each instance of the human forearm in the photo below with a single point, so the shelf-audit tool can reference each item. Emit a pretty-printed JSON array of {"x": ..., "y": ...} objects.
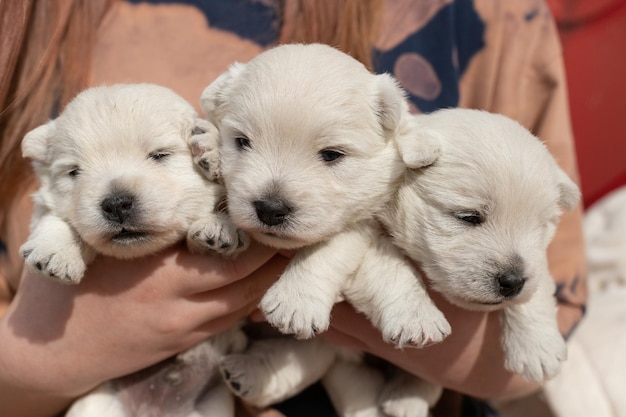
[
  {"x": 18, "y": 402},
  {"x": 59, "y": 341},
  {"x": 470, "y": 360},
  {"x": 40, "y": 374}
]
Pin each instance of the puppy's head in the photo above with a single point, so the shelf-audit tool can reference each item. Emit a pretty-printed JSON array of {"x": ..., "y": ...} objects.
[
  {"x": 306, "y": 142},
  {"x": 480, "y": 218},
  {"x": 116, "y": 166}
]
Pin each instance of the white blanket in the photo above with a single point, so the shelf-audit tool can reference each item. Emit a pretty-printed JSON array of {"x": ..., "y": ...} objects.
[{"x": 592, "y": 382}]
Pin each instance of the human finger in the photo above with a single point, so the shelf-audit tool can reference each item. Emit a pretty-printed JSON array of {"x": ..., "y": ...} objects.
[
  {"x": 241, "y": 293},
  {"x": 353, "y": 325},
  {"x": 199, "y": 273}
]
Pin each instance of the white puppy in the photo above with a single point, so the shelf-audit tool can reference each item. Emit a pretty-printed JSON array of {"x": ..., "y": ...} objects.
[
  {"x": 117, "y": 178},
  {"x": 479, "y": 221},
  {"x": 308, "y": 155}
]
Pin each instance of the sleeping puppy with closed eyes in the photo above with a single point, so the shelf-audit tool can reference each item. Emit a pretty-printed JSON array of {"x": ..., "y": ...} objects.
[
  {"x": 479, "y": 221},
  {"x": 117, "y": 178}
]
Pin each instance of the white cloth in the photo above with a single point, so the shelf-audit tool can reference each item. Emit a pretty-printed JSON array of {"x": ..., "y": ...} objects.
[{"x": 592, "y": 382}]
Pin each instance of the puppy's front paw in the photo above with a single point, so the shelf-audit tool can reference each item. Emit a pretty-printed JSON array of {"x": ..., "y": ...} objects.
[
  {"x": 217, "y": 236},
  {"x": 241, "y": 374},
  {"x": 291, "y": 311},
  {"x": 205, "y": 152},
  {"x": 408, "y": 396},
  {"x": 535, "y": 354},
  {"x": 405, "y": 407},
  {"x": 414, "y": 324},
  {"x": 64, "y": 264}
]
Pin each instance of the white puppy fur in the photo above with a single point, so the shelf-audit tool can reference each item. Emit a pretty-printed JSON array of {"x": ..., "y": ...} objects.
[
  {"x": 117, "y": 178},
  {"x": 308, "y": 155},
  {"x": 479, "y": 221}
]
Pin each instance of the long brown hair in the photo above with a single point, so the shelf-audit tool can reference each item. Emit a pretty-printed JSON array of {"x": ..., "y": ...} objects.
[
  {"x": 45, "y": 56},
  {"x": 45, "y": 59},
  {"x": 349, "y": 25}
]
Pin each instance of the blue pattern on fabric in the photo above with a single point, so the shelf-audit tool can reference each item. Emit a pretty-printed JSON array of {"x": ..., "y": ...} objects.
[
  {"x": 249, "y": 19},
  {"x": 456, "y": 28}
]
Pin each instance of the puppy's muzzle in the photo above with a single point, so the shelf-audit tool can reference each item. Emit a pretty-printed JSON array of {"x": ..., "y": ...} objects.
[
  {"x": 272, "y": 211},
  {"x": 118, "y": 207},
  {"x": 510, "y": 284}
]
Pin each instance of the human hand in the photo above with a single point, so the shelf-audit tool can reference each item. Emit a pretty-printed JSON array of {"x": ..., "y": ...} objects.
[
  {"x": 470, "y": 360},
  {"x": 125, "y": 315}
]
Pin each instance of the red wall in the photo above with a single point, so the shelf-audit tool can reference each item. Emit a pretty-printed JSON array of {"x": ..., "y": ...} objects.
[{"x": 593, "y": 33}]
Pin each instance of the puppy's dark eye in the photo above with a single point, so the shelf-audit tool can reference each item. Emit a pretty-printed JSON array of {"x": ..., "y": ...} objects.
[
  {"x": 159, "y": 155},
  {"x": 330, "y": 155},
  {"x": 73, "y": 173},
  {"x": 243, "y": 142},
  {"x": 472, "y": 217},
  {"x": 197, "y": 130}
]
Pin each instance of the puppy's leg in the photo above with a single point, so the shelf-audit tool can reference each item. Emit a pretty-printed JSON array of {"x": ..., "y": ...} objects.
[
  {"x": 354, "y": 388},
  {"x": 406, "y": 395},
  {"x": 55, "y": 249},
  {"x": 300, "y": 301},
  {"x": 272, "y": 370},
  {"x": 102, "y": 401},
  {"x": 216, "y": 232},
  {"x": 533, "y": 346},
  {"x": 391, "y": 293}
]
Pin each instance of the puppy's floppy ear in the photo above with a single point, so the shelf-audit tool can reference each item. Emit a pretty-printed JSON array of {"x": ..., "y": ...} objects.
[
  {"x": 216, "y": 94},
  {"x": 420, "y": 146},
  {"x": 569, "y": 192},
  {"x": 391, "y": 106},
  {"x": 35, "y": 143}
]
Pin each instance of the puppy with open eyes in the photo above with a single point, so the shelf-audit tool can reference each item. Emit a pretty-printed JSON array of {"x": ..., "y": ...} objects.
[
  {"x": 308, "y": 157},
  {"x": 117, "y": 178}
]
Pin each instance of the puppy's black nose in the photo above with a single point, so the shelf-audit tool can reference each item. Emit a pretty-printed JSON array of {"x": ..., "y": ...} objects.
[
  {"x": 510, "y": 284},
  {"x": 118, "y": 207},
  {"x": 272, "y": 211}
]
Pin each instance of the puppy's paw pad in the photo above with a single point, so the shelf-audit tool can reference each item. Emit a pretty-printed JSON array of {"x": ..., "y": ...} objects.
[
  {"x": 66, "y": 266},
  {"x": 239, "y": 372},
  {"x": 205, "y": 152},
  {"x": 303, "y": 318},
  {"x": 220, "y": 237}
]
